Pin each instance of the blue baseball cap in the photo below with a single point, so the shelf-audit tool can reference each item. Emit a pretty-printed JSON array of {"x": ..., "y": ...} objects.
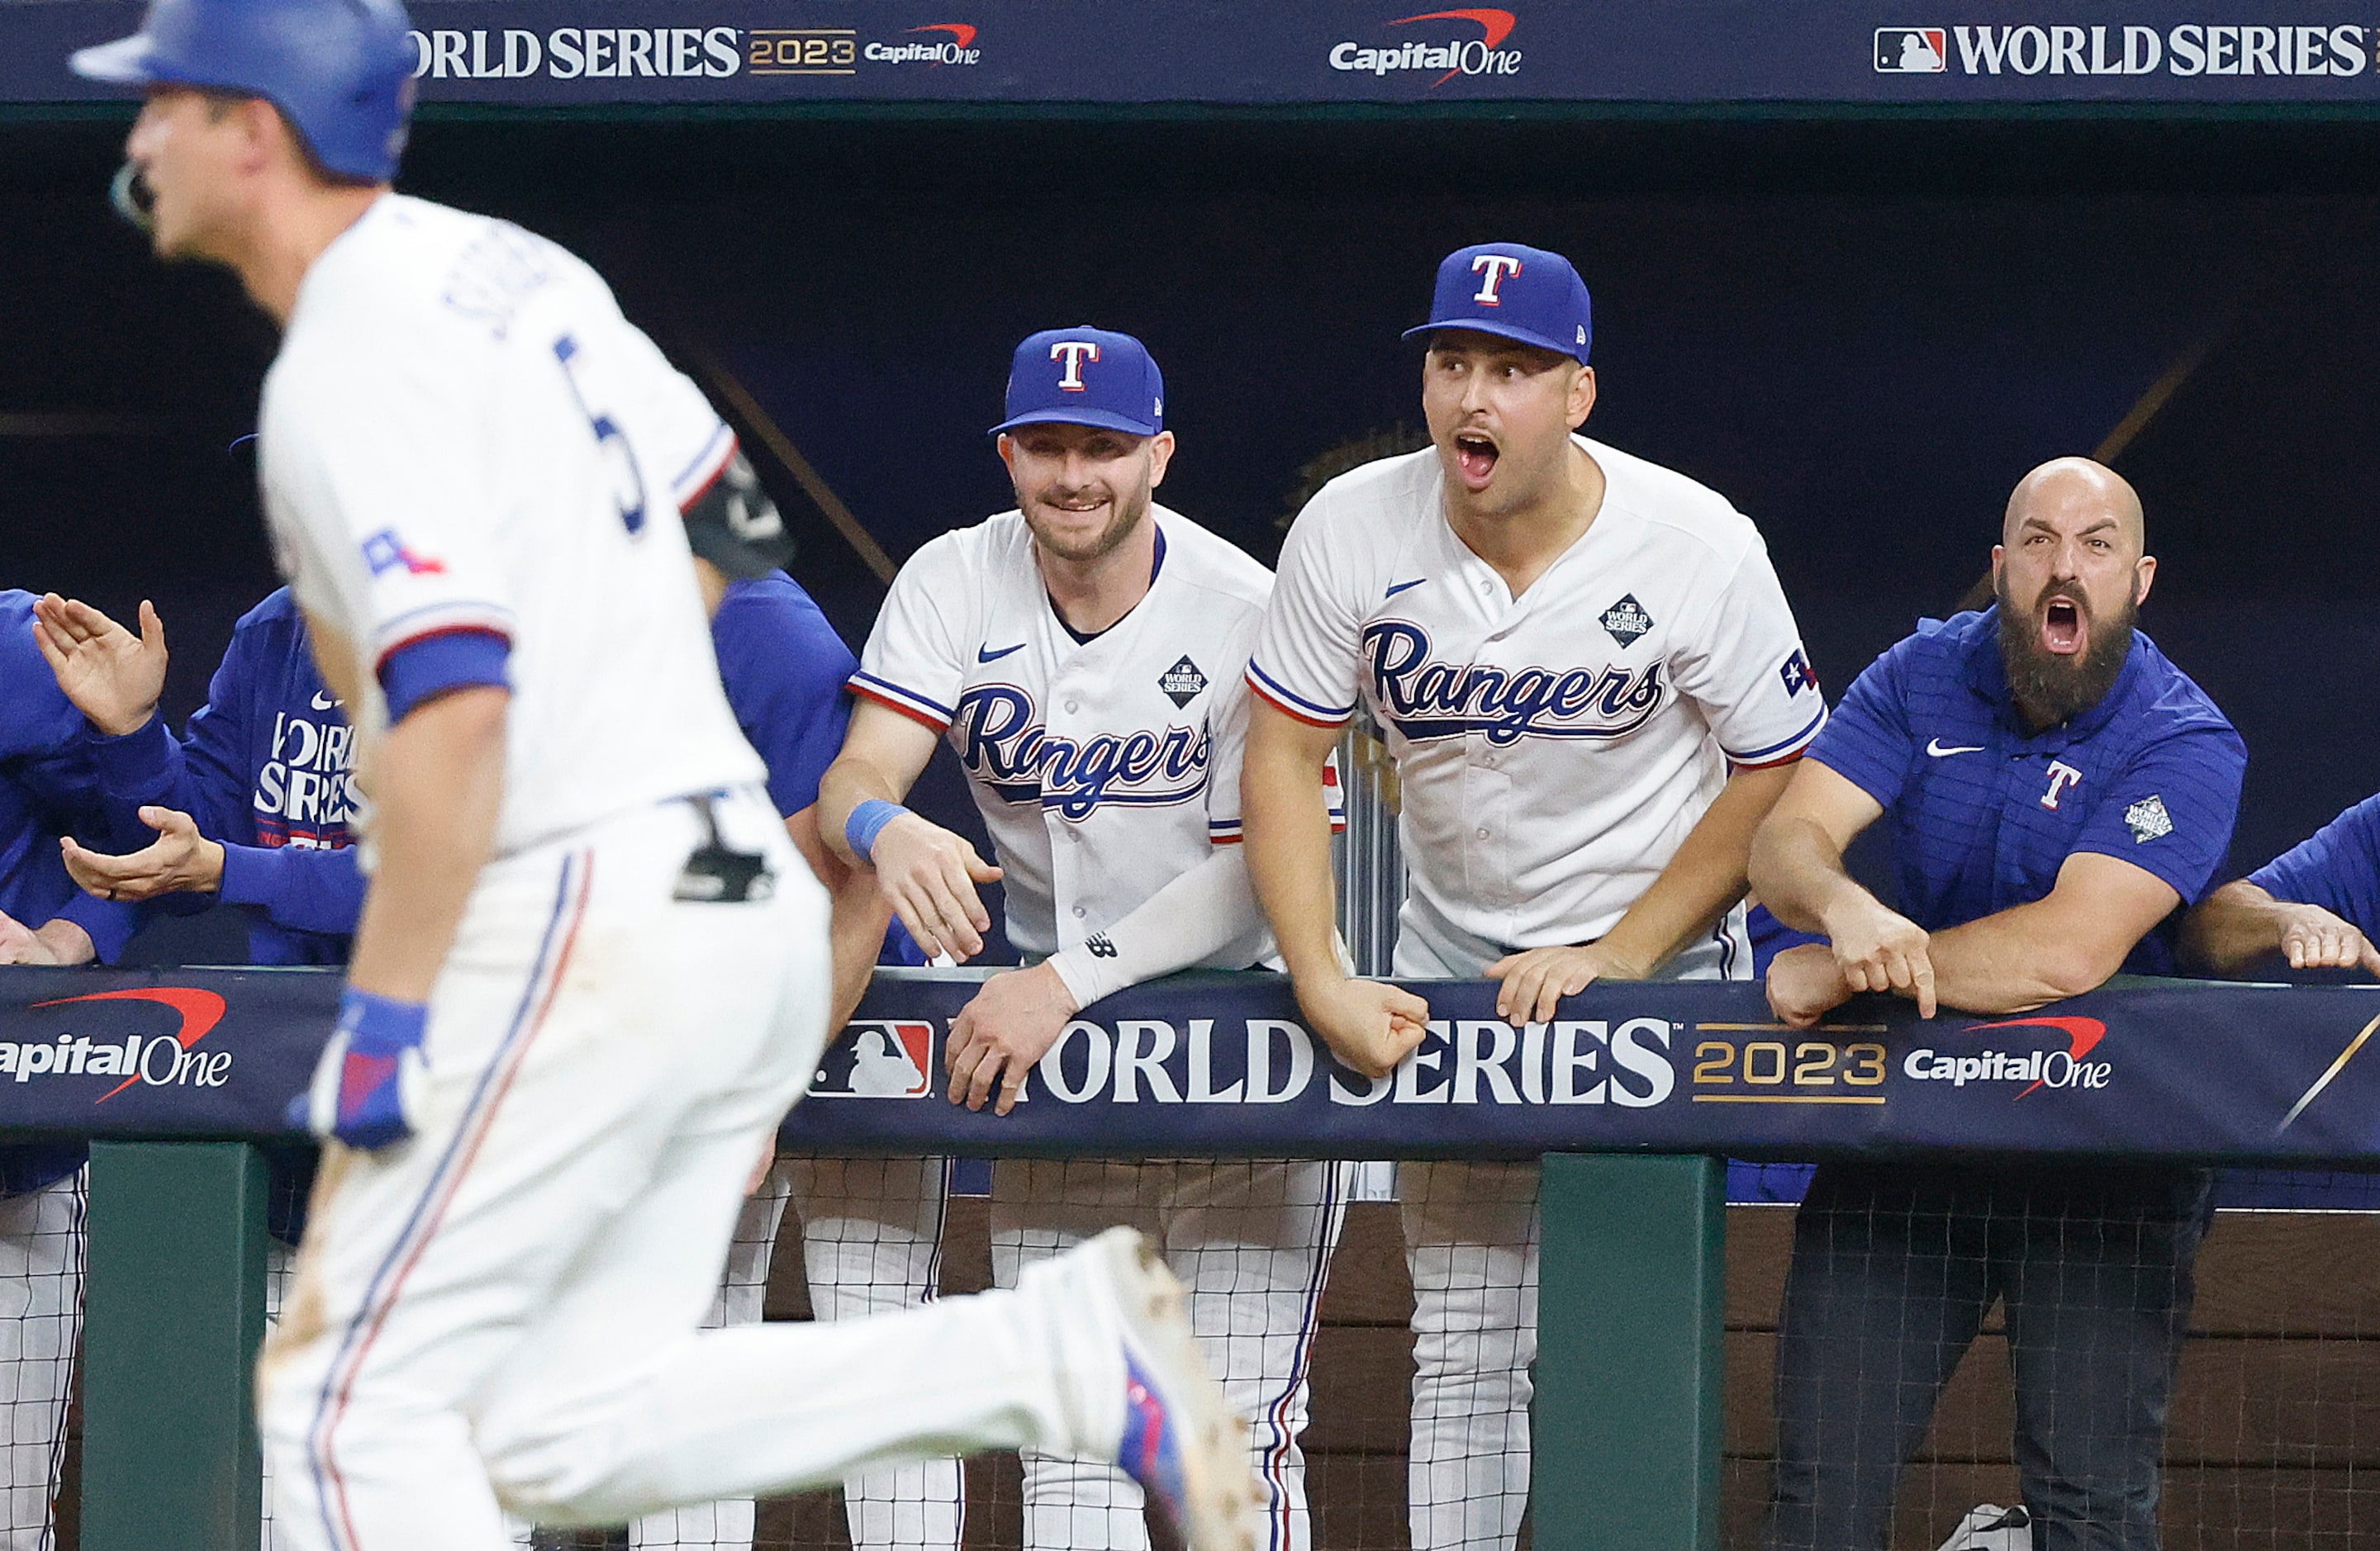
[
  {"x": 1518, "y": 292},
  {"x": 340, "y": 70},
  {"x": 1085, "y": 377}
]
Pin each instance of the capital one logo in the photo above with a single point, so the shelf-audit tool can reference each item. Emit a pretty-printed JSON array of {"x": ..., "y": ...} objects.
[
  {"x": 1074, "y": 352},
  {"x": 1447, "y": 58},
  {"x": 956, "y": 49},
  {"x": 162, "y": 1062},
  {"x": 2068, "y": 1068},
  {"x": 1494, "y": 267}
]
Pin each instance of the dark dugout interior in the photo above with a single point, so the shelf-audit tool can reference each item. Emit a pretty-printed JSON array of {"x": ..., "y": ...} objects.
[{"x": 1861, "y": 330}]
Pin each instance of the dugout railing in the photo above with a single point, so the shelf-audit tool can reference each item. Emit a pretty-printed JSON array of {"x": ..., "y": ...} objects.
[{"x": 1631, "y": 1097}]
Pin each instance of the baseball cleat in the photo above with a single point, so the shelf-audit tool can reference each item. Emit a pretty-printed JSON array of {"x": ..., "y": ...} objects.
[{"x": 1182, "y": 1441}]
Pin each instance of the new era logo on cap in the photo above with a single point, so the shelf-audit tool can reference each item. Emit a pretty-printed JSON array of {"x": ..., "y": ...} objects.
[
  {"x": 1518, "y": 292},
  {"x": 1085, "y": 377}
]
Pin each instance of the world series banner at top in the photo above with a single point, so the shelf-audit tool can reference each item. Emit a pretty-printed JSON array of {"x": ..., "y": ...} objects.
[
  {"x": 1215, "y": 1065},
  {"x": 566, "y": 52}
]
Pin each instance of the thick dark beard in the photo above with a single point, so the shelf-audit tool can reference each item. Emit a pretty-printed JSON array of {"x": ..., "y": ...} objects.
[{"x": 2050, "y": 689}]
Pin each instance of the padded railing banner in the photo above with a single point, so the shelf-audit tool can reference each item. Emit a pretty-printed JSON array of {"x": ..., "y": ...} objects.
[
  {"x": 550, "y": 53},
  {"x": 1221, "y": 1066}
]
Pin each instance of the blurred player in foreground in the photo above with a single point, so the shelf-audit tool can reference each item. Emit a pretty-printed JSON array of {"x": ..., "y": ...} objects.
[
  {"x": 254, "y": 806},
  {"x": 1083, "y": 653},
  {"x": 591, "y": 974},
  {"x": 2055, "y": 788},
  {"x": 48, "y": 790},
  {"x": 2315, "y": 906},
  {"x": 1589, "y": 679}
]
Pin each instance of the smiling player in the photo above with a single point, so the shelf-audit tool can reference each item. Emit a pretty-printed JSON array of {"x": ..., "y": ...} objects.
[
  {"x": 1592, "y": 686},
  {"x": 1083, "y": 654}
]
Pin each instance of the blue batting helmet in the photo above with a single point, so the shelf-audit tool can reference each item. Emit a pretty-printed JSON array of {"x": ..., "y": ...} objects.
[{"x": 340, "y": 70}]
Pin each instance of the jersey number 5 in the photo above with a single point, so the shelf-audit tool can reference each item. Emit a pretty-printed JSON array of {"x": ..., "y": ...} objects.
[{"x": 627, "y": 479}]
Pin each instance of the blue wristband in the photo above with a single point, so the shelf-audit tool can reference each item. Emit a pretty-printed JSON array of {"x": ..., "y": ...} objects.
[
  {"x": 379, "y": 1026},
  {"x": 370, "y": 1082},
  {"x": 867, "y": 822}
]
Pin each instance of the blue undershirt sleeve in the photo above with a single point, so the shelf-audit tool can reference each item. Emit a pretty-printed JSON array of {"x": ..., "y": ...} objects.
[
  {"x": 430, "y": 666},
  {"x": 303, "y": 890}
]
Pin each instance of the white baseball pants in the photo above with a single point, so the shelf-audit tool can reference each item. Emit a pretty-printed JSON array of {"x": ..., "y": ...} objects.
[
  {"x": 1252, "y": 1241},
  {"x": 1472, "y": 1235},
  {"x": 872, "y": 1244},
  {"x": 1471, "y": 1243},
  {"x": 872, "y": 1241},
  {"x": 504, "y": 1312},
  {"x": 40, "y": 1320},
  {"x": 727, "y": 1526}
]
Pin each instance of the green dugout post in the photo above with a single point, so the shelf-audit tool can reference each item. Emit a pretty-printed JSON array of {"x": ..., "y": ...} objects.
[
  {"x": 1632, "y": 1299},
  {"x": 174, "y": 1312}
]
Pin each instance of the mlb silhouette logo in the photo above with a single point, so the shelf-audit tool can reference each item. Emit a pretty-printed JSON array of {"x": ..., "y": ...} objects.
[
  {"x": 878, "y": 1058},
  {"x": 1912, "y": 51}
]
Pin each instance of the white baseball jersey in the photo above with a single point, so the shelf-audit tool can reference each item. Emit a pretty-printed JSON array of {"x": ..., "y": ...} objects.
[
  {"x": 1553, "y": 749},
  {"x": 1105, "y": 768},
  {"x": 462, "y": 434}
]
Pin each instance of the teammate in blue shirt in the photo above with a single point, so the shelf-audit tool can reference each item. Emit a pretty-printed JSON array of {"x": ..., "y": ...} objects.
[
  {"x": 47, "y": 790},
  {"x": 254, "y": 803},
  {"x": 2056, "y": 789},
  {"x": 2315, "y": 906}
]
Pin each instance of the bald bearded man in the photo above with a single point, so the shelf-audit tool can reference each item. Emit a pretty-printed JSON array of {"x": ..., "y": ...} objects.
[{"x": 2055, "y": 791}]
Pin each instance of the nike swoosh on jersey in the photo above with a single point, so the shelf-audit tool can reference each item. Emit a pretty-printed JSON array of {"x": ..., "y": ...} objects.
[
  {"x": 1934, "y": 746},
  {"x": 984, "y": 654},
  {"x": 324, "y": 701},
  {"x": 1402, "y": 586}
]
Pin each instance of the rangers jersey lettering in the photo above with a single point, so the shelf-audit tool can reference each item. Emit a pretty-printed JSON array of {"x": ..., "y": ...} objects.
[
  {"x": 424, "y": 453},
  {"x": 1553, "y": 749},
  {"x": 1105, "y": 768}
]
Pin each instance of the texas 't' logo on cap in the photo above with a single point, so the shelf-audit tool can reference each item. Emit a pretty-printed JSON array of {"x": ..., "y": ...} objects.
[
  {"x": 1085, "y": 377},
  {"x": 1513, "y": 291}
]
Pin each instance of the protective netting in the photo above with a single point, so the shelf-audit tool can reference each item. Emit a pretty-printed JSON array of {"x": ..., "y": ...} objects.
[
  {"x": 2271, "y": 1418},
  {"x": 1322, "y": 1371},
  {"x": 41, "y": 1322},
  {"x": 1988, "y": 1359}
]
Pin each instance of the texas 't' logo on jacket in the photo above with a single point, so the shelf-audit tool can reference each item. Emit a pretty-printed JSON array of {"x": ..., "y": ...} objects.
[
  {"x": 1427, "y": 699},
  {"x": 1001, "y": 738}
]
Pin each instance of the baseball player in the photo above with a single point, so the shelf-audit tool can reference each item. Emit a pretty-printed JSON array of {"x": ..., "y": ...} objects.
[
  {"x": 255, "y": 806},
  {"x": 2315, "y": 906},
  {"x": 47, "y": 789},
  {"x": 2055, "y": 788},
  {"x": 591, "y": 975},
  {"x": 1082, "y": 653},
  {"x": 1591, "y": 684}
]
